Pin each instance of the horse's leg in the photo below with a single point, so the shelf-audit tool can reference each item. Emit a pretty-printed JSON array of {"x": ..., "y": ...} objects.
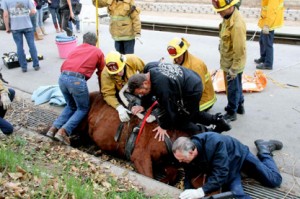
[{"x": 142, "y": 163}]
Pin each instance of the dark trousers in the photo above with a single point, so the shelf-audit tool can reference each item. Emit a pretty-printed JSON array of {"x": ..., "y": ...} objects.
[
  {"x": 125, "y": 47},
  {"x": 266, "y": 48},
  {"x": 235, "y": 95},
  {"x": 194, "y": 121},
  {"x": 263, "y": 169},
  {"x": 5, "y": 126},
  {"x": 64, "y": 17}
]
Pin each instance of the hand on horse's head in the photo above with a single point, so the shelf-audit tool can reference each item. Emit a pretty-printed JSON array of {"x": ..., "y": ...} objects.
[{"x": 137, "y": 109}]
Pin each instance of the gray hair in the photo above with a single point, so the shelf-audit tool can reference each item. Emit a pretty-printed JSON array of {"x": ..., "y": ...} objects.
[
  {"x": 184, "y": 145},
  {"x": 90, "y": 38},
  {"x": 136, "y": 81}
]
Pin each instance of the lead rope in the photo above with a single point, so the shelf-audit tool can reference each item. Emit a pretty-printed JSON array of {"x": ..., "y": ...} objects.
[{"x": 144, "y": 121}]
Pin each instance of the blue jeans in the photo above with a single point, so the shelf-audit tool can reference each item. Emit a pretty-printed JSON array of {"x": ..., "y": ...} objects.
[
  {"x": 235, "y": 95},
  {"x": 55, "y": 15},
  {"x": 39, "y": 18},
  {"x": 76, "y": 94},
  {"x": 266, "y": 48},
  {"x": 18, "y": 38},
  {"x": 5, "y": 126},
  {"x": 125, "y": 47}
]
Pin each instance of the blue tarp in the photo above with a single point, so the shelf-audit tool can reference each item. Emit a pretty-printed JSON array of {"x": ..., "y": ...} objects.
[
  {"x": 64, "y": 38},
  {"x": 51, "y": 94}
]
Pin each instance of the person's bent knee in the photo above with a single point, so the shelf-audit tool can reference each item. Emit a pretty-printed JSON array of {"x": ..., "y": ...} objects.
[
  {"x": 12, "y": 93},
  {"x": 8, "y": 130}
]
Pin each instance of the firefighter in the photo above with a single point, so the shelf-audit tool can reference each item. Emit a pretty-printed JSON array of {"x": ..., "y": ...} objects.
[
  {"x": 271, "y": 18},
  {"x": 119, "y": 68},
  {"x": 125, "y": 24},
  {"x": 233, "y": 54},
  {"x": 178, "y": 51}
]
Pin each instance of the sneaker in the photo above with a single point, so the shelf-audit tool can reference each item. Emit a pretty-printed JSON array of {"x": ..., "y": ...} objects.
[
  {"x": 241, "y": 109},
  {"x": 263, "y": 66},
  {"x": 51, "y": 132},
  {"x": 221, "y": 124},
  {"x": 36, "y": 68},
  {"x": 78, "y": 31},
  {"x": 62, "y": 136},
  {"x": 230, "y": 117},
  {"x": 24, "y": 70},
  {"x": 258, "y": 61}
]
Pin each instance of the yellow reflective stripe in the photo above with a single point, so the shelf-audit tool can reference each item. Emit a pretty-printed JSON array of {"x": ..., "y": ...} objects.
[
  {"x": 117, "y": 18},
  {"x": 208, "y": 104}
]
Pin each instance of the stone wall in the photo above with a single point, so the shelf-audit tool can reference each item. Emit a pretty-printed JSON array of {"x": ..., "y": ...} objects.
[
  {"x": 198, "y": 8},
  {"x": 289, "y": 4}
]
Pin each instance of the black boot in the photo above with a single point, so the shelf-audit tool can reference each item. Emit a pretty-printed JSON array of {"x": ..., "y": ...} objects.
[
  {"x": 241, "y": 109},
  {"x": 267, "y": 147},
  {"x": 221, "y": 123}
]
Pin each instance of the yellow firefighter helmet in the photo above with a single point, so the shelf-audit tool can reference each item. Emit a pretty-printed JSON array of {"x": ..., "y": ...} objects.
[
  {"x": 115, "y": 62},
  {"x": 177, "y": 46},
  {"x": 220, "y": 5}
]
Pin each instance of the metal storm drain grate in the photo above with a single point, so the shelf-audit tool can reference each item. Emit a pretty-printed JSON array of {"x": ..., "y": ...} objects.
[
  {"x": 38, "y": 119},
  {"x": 255, "y": 190},
  {"x": 31, "y": 117}
]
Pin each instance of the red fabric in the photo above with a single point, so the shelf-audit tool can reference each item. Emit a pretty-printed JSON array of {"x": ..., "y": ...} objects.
[{"x": 85, "y": 59}]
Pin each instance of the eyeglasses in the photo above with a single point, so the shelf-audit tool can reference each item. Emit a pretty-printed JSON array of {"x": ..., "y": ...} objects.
[{"x": 112, "y": 66}]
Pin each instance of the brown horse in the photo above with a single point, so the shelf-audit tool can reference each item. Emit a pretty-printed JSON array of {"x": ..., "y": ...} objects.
[{"x": 102, "y": 123}]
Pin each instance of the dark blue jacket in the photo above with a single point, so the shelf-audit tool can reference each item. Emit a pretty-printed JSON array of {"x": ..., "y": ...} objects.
[{"x": 221, "y": 156}]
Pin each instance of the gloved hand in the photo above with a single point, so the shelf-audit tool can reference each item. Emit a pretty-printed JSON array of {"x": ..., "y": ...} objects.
[
  {"x": 138, "y": 37},
  {"x": 123, "y": 113},
  {"x": 150, "y": 119},
  {"x": 266, "y": 30},
  {"x": 192, "y": 194},
  {"x": 231, "y": 75},
  {"x": 6, "y": 103}
]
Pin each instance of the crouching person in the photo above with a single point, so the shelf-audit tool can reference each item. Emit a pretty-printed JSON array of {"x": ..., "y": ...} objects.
[
  {"x": 224, "y": 162},
  {"x": 75, "y": 71},
  {"x": 7, "y": 96}
]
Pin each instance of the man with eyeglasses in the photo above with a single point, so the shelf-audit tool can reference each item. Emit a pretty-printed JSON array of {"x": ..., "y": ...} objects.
[{"x": 119, "y": 68}]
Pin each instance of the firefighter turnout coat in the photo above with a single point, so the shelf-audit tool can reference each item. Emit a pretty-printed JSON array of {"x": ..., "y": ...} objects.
[
  {"x": 208, "y": 95},
  {"x": 112, "y": 84},
  {"x": 271, "y": 14}
]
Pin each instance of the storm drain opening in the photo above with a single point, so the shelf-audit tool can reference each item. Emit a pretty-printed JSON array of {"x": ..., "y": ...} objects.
[{"x": 39, "y": 119}]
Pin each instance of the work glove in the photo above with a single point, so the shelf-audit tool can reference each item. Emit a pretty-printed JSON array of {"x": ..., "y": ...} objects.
[
  {"x": 150, "y": 118},
  {"x": 6, "y": 103},
  {"x": 266, "y": 30},
  {"x": 231, "y": 75},
  {"x": 192, "y": 194},
  {"x": 123, "y": 113}
]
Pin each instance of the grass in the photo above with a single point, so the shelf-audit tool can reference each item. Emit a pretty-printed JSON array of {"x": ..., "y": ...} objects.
[{"x": 53, "y": 172}]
